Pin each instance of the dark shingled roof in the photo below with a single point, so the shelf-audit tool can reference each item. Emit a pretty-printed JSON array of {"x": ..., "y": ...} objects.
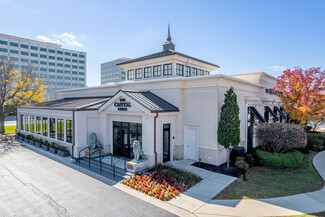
[
  {"x": 151, "y": 101},
  {"x": 71, "y": 104},
  {"x": 162, "y": 54}
]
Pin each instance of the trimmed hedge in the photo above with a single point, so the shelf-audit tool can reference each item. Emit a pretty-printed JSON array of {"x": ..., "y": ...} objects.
[
  {"x": 316, "y": 141},
  {"x": 292, "y": 159}
]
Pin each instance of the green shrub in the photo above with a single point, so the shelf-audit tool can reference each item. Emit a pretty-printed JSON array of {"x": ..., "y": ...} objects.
[
  {"x": 316, "y": 141},
  {"x": 62, "y": 148},
  {"x": 53, "y": 145},
  {"x": 292, "y": 159},
  {"x": 40, "y": 140},
  {"x": 240, "y": 163},
  {"x": 46, "y": 143},
  {"x": 280, "y": 137}
]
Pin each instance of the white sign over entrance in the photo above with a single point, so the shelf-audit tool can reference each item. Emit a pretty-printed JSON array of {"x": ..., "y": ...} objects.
[{"x": 122, "y": 105}]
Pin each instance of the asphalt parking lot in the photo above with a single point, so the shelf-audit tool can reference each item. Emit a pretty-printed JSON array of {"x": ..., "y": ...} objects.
[{"x": 33, "y": 185}]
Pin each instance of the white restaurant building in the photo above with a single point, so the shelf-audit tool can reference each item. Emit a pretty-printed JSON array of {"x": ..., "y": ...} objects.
[{"x": 169, "y": 102}]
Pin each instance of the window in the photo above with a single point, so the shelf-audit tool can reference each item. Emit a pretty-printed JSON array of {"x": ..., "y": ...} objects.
[
  {"x": 67, "y": 78},
  {"x": 67, "y": 72},
  {"x": 3, "y": 42},
  {"x": 81, "y": 61},
  {"x": 69, "y": 128},
  {"x": 45, "y": 125},
  {"x": 201, "y": 72},
  {"x": 138, "y": 73},
  {"x": 24, "y": 53},
  {"x": 52, "y": 76},
  {"x": 179, "y": 69},
  {"x": 14, "y": 58},
  {"x": 32, "y": 124},
  {"x": 67, "y": 53},
  {"x": 34, "y": 61},
  {"x": 24, "y": 60},
  {"x": 59, "y": 52},
  {"x": 43, "y": 56},
  {"x": 156, "y": 71},
  {"x": 51, "y": 64},
  {"x": 43, "y": 49},
  {"x": 22, "y": 122},
  {"x": 59, "y": 71},
  {"x": 52, "y": 128},
  {"x": 14, "y": 51},
  {"x": 59, "y": 58},
  {"x": 3, "y": 49},
  {"x": 81, "y": 73},
  {"x": 59, "y": 64},
  {"x": 34, "y": 54},
  {"x": 24, "y": 46},
  {"x": 59, "y": 77},
  {"x": 67, "y": 65},
  {"x": 168, "y": 69},
  {"x": 13, "y": 44},
  {"x": 194, "y": 71},
  {"x": 81, "y": 67},
  {"x": 74, "y": 61},
  {"x": 74, "y": 67},
  {"x": 51, "y": 51},
  {"x": 43, "y": 69},
  {"x": 43, "y": 62},
  {"x": 38, "y": 125},
  {"x": 74, "y": 79},
  {"x": 130, "y": 74},
  {"x": 67, "y": 59},
  {"x": 51, "y": 70},
  {"x": 26, "y": 122},
  {"x": 187, "y": 71},
  {"x": 61, "y": 129},
  {"x": 81, "y": 55},
  {"x": 81, "y": 79},
  {"x": 74, "y": 72},
  {"x": 35, "y": 68},
  {"x": 3, "y": 57},
  {"x": 67, "y": 84},
  {"x": 33, "y": 48},
  {"x": 75, "y": 55},
  {"x": 147, "y": 72}
]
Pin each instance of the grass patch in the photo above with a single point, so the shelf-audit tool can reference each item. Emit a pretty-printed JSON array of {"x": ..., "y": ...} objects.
[
  {"x": 264, "y": 182},
  {"x": 10, "y": 129}
]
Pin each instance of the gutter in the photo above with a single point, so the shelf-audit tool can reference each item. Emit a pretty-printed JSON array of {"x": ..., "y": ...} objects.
[
  {"x": 73, "y": 136},
  {"x": 155, "y": 137}
]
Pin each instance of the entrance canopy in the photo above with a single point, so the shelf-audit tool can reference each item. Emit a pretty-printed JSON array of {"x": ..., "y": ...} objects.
[
  {"x": 272, "y": 113},
  {"x": 145, "y": 101},
  {"x": 256, "y": 114}
]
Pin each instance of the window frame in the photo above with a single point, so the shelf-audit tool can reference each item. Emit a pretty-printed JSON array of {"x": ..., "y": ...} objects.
[
  {"x": 138, "y": 73},
  {"x": 52, "y": 128},
  {"x": 60, "y": 129},
  {"x": 179, "y": 69},
  {"x": 156, "y": 73},
  {"x": 167, "y": 69},
  {"x": 69, "y": 131},
  {"x": 147, "y": 72}
]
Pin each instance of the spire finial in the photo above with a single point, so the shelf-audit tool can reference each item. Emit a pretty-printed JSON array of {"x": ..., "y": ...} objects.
[{"x": 169, "y": 38}]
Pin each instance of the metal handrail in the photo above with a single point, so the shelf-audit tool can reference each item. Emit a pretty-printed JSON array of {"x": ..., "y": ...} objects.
[
  {"x": 91, "y": 153},
  {"x": 81, "y": 151},
  {"x": 118, "y": 161},
  {"x": 101, "y": 158}
]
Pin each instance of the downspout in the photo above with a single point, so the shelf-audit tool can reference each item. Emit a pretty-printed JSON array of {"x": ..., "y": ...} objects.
[
  {"x": 73, "y": 135},
  {"x": 155, "y": 137}
]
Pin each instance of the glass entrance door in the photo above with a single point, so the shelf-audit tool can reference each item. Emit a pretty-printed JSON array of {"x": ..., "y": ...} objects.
[
  {"x": 124, "y": 134},
  {"x": 166, "y": 142}
]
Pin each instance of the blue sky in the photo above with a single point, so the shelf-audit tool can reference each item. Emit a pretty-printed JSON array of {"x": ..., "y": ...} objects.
[{"x": 239, "y": 36}]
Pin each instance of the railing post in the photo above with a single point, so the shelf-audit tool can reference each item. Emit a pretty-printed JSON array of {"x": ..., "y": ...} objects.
[
  {"x": 114, "y": 171},
  {"x": 89, "y": 157},
  {"x": 100, "y": 164},
  {"x": 111, "y": 160}
]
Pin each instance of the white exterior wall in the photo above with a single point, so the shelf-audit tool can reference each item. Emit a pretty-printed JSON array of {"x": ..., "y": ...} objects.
[{"x": 199, "y": 100}]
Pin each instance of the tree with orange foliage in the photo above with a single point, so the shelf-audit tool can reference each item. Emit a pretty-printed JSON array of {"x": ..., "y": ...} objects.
[
  {"x": 302, "y": 92},
  {"x": 18, "y": 88}
]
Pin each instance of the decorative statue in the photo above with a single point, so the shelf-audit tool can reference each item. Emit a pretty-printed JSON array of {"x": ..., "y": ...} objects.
[
  {"x": 94, "y": 142},
  {"x": 138, "y": 153}
]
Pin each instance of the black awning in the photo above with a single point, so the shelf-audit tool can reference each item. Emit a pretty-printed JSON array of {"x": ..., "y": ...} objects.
[
  {"x": 280, "y": 112},
  {"x": 272, "y": 113},
  {"x": 256, "y": 114}
]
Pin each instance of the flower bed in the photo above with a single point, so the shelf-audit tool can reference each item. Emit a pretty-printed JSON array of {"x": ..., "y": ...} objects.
[{"x": 159, "y": 184}]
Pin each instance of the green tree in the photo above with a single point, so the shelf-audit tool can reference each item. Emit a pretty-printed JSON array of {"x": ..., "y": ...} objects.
[{"x": 229, "y": 123}]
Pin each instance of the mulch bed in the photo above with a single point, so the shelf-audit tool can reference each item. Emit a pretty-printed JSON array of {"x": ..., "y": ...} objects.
[{"x": 230, "y": 171}]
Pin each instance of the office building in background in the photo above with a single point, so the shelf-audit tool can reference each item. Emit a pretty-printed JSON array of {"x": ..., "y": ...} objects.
[
  {"x": 60, "y": 68},
  {"x": 110, "y": 72}
]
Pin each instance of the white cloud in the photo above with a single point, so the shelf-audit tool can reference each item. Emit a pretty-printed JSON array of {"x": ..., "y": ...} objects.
[
  {"x": 277, "y": 68},
  {"x": 67, "y": 38}
]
